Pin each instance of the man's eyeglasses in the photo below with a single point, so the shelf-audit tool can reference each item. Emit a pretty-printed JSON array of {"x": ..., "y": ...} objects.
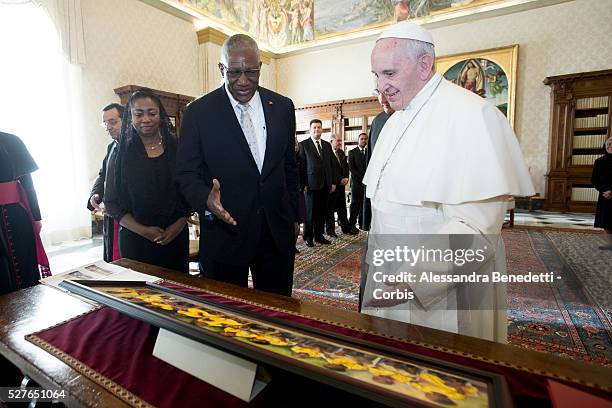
[
  {"x": 235, "y": 74},
  {"x": 111, "y": 122}
]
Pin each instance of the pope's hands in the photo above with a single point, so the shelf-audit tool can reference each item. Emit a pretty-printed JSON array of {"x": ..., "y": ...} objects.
[{"x": 214, "y": 204}]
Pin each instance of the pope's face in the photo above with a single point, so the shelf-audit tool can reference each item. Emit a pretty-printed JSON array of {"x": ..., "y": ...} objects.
[{"x": 396, "y": 74}]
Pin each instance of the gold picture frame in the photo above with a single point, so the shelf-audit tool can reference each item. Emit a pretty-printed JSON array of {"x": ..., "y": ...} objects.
[{"x": 489, "y": 73}]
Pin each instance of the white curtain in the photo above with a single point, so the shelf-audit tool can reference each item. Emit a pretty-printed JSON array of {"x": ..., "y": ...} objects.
[{"x": 40, "y": 101}]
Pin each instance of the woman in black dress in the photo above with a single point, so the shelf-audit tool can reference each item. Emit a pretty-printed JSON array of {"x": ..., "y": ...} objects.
[
  {"x": 602, "y": 180},
  {"x": 144, "y": 197},
  {"x": 22, "y": 258}
]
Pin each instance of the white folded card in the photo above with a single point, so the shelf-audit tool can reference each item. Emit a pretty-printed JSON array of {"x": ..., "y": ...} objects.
[{"x": 225, "y": 371}]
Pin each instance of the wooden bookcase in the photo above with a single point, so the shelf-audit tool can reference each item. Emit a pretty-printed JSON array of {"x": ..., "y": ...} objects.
[
  {"x": 580, "y": 123},
  {"x": 174, "y": 104},
  {"x": 346, "y": 118}
]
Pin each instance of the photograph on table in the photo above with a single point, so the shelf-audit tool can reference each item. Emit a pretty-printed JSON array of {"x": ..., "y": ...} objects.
[
  {"x": 490, "y": 74},
  {"x": 366, "y": 369}
]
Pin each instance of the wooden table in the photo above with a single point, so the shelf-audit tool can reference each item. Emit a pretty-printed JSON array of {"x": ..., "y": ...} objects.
[{"x": 39, "y": 307}]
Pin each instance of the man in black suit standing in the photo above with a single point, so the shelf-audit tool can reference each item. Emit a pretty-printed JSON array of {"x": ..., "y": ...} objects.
[
  {"x": 377, "y": 124},
  {"x": 318, "y": 178},
  {"x": 337, "y": 200},
  {"x": 111, "y": 122},
  {"x": 236, "y": 168},
  {"x": 357, "y": 165}
]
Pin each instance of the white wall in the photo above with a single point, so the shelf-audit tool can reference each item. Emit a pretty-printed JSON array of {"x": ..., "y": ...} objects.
[
  {"x": 128, "y": 42},
  {"x": 565, "y": 38}
]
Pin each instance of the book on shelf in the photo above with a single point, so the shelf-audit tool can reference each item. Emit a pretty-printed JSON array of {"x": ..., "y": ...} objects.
[
  {"x": 584, "y": 159},
  {"x": 589, "y": 141},
  {"x": 600, "y": 120},
  {"x": 592, "y": 103},
  {"x": 584, "y": 194},
  {"x": 355, "y": 121},
  {"x": 348, "y": 148},
  {"x": 302, "y": 127}
]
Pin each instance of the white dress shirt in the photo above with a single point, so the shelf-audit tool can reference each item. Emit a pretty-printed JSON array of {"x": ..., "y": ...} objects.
[{"x": 257, "y": 117}]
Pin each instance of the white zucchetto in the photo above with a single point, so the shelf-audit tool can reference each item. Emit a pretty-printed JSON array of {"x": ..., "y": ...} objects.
[{"x": 407, "y": 30}]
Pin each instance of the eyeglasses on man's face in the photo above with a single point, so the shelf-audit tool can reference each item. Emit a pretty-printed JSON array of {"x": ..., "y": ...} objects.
[
  {"x": 237, "y": 73},
  {"x": 110, "y": 123}
]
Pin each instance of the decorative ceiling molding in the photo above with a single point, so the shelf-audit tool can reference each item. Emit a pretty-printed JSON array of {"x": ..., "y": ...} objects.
[{"x": 212, "y": 35}]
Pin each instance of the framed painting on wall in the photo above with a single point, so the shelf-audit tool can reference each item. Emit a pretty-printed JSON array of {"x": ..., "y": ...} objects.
[
  {"x": 373, "y": 371},
  {"x": 490, "y": 74}
]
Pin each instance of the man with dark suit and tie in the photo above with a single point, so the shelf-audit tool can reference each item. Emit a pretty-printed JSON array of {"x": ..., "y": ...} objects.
[
  {"x": 318, "y": 178},
  {"x": 336, "y": 204},
  {"x": 377, "y": 124},
  {"x": 236, "y": 167},
  {"x": 111, "y": 122},
  {"x": 357, "y": 166}
]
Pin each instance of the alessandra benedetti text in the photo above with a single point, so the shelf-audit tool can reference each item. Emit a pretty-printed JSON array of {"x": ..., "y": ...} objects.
[{"x": 493, "y": 277}]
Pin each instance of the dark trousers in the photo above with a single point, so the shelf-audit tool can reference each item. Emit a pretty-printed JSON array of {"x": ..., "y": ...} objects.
[
  {"x": 174, "y": 255},
  {"x": 357, "y": 194},
  {"x": 271, "y": 270},
  {"x": 316, "y": 207},
  {"x": 336, "y": 203},
  {"x": 367, "y": 214}
]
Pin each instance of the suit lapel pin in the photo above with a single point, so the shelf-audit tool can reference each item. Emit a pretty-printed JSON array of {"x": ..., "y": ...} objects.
[{"x": 270, "y": 103}]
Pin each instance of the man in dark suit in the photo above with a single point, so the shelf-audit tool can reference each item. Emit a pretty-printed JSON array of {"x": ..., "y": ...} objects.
[
  {"x": 318, "y": 178},
  {"x": 236, "y": 167},
  {"x": 111, "y": 121},
  {"x": 337, "y": 200},
  {"x": 377, "y": 125},
  {"x": 357, "y": 166}
]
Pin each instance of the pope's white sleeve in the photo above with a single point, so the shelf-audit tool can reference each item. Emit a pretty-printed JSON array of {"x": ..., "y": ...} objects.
[{"x": 483, "y": 220}]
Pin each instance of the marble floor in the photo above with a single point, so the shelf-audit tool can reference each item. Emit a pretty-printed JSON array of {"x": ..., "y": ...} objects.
[
  {"x": 538, "y": 218},
  {"x": 68, "y": 255}
]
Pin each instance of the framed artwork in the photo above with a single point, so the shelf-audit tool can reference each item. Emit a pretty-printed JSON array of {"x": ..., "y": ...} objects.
[
  {"x": 380, "y": 373},
  {"x": 488, "y": 73}
]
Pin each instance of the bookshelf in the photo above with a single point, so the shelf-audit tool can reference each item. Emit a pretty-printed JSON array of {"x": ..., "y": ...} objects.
[
  {"x": 346, "y": 118},
  {"x": 580, "y": 123}
]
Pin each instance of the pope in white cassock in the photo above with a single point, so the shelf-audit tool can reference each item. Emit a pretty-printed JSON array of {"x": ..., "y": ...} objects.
[{"x": 445, "y": 163}]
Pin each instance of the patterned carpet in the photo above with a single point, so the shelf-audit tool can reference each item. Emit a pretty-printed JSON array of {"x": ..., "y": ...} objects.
[{"x": 571, "y": 317}]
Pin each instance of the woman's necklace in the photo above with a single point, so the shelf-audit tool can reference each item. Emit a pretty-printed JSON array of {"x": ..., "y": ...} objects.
[{"x": 155, "y": 145}]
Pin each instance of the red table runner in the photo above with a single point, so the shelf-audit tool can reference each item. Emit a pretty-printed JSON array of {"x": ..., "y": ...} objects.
[{"x": 115, "y": 351}]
